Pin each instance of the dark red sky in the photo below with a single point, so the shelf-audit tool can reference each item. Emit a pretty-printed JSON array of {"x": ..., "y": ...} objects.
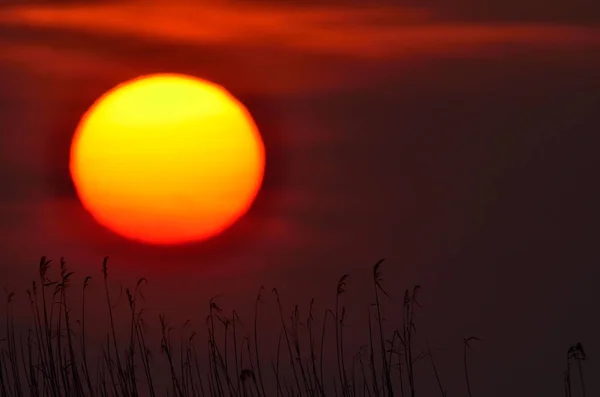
[
  {"x": 464, "y": 151},
  {"x": 576, "y": 11}
]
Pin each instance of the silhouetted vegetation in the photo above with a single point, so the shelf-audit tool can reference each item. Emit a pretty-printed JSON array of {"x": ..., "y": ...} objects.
[{"x": 52, "y": 358}]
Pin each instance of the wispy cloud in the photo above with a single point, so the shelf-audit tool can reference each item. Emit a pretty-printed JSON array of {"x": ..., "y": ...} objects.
[{"x": 366, "y": 32}]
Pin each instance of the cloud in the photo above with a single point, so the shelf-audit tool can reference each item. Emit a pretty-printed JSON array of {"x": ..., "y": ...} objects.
[{"x": 369, "y": 32}]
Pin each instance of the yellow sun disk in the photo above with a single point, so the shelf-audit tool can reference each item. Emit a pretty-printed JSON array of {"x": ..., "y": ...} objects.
[{"x": 167, "y": 159}]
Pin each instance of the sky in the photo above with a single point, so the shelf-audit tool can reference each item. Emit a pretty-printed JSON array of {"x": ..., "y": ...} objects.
[{"x": 456, "y": 140}]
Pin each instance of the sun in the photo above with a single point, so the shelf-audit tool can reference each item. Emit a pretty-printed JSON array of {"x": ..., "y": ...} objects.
[{"x": 167, "y": 159}]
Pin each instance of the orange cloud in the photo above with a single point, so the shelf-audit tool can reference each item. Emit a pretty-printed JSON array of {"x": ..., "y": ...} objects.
[{"x": 366, "y": 32}]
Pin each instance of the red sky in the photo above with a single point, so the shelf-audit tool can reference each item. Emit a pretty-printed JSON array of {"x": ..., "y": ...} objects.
[{"x": 462, "y": 150}]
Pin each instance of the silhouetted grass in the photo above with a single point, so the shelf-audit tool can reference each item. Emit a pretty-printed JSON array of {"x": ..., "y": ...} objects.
[{"x": 54, "y": 356}]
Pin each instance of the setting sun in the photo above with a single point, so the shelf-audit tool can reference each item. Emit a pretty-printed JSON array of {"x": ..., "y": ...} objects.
[{"x": 167, "y": 159}]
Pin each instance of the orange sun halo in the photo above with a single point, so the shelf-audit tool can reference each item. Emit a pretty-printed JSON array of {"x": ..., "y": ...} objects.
[{"x": 167, "y": 159}]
